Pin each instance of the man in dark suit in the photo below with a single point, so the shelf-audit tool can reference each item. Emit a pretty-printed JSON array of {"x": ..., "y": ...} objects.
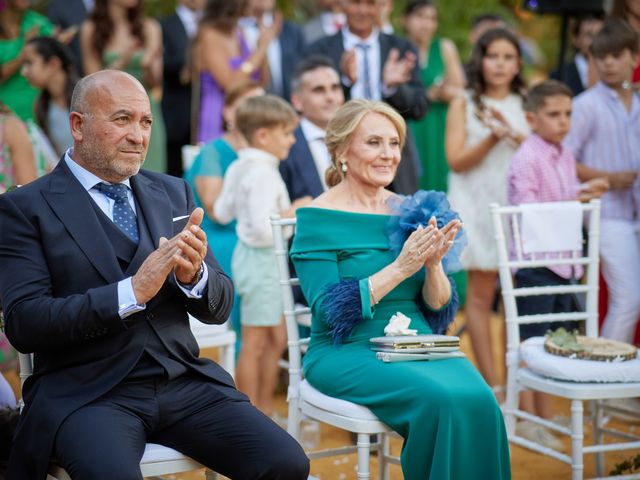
[
  {"x": 381, "y": 67},
  {"x": 328, "y": 22},
  {"x": 177, "y": 32},
  {"x": 317, "y": 94},
  {"x": 101, "y": 264},
  {"x": 283, "y": 53},
  {"x": 68, "y": 15},
  {"x": 576, "y": 73}
]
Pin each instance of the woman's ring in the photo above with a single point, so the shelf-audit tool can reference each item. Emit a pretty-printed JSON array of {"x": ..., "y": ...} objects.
[{"x": 419, "y": 253}]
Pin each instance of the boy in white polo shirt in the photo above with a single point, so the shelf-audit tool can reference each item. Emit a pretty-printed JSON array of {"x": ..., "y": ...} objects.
[{"x": 252, "y": 191}]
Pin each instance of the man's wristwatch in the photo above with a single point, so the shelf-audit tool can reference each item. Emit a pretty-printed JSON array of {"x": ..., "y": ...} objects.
[{"x": 190, "y": 286}]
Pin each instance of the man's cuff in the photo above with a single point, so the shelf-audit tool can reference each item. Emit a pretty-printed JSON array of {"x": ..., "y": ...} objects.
[
  {"x": 388, "y": 91},
  {"x": 197, "y": 290},
  {"x": 346, "y": 82},
  {"x": 127, "y": 304}
]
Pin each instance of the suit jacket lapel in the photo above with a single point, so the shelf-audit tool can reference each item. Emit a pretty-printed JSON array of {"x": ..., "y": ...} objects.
[
  {"x": 308, "y": 169},
  {"x": 72, "y": 204},
  {"x": 155, "y": 205},
  {"x": 385, "y": 46}
]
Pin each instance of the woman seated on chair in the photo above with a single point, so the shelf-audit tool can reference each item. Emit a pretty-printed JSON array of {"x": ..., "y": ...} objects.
[{"x": 354, "y": 281}]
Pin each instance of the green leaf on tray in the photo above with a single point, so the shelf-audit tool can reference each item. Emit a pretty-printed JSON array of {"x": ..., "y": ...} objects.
[{"x": 565, "y": 339}]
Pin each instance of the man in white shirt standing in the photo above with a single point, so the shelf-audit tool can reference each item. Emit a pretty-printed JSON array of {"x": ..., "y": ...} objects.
[
  {"x": 317, "y": 94},
  {"x": 284, "y": 52}
]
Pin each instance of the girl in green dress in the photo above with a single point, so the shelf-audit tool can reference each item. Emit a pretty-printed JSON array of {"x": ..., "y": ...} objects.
[
  {"x": 354, "y": 282},
  {"x": 117, "y": 35},
  {"x": 443, "y": 79},
  {"x": 17, "y": 25}
]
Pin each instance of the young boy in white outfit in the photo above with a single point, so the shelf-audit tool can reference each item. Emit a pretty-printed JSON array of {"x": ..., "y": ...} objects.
[{"x": 252, "y": 191}]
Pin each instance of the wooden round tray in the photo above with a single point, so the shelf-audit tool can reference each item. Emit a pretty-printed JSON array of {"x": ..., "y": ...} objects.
[{"x": 600, "y": 349}]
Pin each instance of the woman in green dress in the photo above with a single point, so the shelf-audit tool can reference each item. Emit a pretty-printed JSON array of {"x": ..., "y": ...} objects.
[
  {"x": 117, "y": 35},
  {"x": 17, "y": 25},
  {"x": 443, "y": 78},
  {"x": 205, "y": 177},
  {"x": 449, "y": 418}
]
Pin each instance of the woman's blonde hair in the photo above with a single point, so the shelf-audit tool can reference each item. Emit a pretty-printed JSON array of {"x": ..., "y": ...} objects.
[{"x": 345, "y": 122}]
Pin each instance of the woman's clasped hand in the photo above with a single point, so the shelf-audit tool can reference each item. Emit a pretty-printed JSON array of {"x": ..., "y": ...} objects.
[{"x": 426, "y": 246}]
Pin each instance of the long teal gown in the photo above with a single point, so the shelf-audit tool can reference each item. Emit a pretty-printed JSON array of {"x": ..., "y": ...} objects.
[
  {"x": 212, "y": 161},
  {"x": 449, "y": 418}
]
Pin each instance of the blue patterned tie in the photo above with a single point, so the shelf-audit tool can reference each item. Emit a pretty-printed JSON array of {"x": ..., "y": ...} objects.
[
  {"x": 366, "y": 77},
  {"x": 123, "y": 215}
]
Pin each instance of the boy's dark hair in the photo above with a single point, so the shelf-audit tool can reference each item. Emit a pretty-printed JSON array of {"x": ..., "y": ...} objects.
[
  {"x": 413, "y": 5},
  {"x": 576, "y": 25},
  {"x": 310, "y": 64},
  {"x": 538, "y": 95},
  {"x": 615, "y": 36},
  {"x": 264, "y": 111}
]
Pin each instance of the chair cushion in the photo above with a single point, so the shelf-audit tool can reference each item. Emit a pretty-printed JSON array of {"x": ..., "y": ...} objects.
[
  {"x": 576, "y": 370},
  {"x": 343, "y": 407},
  {"x": 159, "y": 453}
]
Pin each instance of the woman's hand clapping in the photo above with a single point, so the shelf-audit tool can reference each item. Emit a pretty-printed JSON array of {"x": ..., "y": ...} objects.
[{"x": 425, "y": 247}]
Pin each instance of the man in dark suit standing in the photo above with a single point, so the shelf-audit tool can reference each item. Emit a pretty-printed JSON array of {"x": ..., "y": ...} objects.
[
  {"x": 68, "y": 15},
  {"x": 378, "y": 66},
  {"x": 283, "y": 53},
  {"x": 101, "y": 263},
  {"x": 317, "y": 94},
  {"x": 178, "y": 30},
  {"x": 576, "y": 73}
]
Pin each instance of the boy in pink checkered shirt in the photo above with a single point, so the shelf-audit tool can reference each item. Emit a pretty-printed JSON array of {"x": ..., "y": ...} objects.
[{"x": 542, "y": 170}]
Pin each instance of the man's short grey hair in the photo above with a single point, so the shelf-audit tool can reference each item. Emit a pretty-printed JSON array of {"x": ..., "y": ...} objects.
[{"x": 87, "y": 84}]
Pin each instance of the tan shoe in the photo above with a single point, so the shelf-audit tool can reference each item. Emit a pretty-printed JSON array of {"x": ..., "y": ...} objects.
[
  {"x": 539, "y": 434},
  {"x": 630, "y": 405}
]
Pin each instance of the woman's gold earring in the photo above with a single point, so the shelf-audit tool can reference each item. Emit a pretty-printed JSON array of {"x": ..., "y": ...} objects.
[{"x": 344, "y": 167}]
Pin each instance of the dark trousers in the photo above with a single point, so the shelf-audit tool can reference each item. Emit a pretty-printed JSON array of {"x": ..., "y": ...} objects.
[
  {"x": 541, "y": 304},
  {"x": 211, "y": 423}
]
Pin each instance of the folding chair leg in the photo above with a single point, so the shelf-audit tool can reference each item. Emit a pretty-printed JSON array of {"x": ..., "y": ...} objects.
[
  {"x": 577, "y": 440},
  {"x": 598, "y": 436},
  {"x": 383, "y": 456},
  {"x": 229, "y": 359},
  {"x": 364, "y": 451}
]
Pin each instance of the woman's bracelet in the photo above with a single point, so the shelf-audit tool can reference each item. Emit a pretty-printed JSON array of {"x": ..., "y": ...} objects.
[{"x": 372, "y": 291}]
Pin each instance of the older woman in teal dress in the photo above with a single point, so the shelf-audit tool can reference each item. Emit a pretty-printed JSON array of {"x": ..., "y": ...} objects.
[
  {"x": 354, "y": 281},
  {"x": 205, "y": 176}
]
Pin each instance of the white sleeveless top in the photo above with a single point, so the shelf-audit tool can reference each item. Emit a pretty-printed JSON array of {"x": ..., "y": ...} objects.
[{"x": 471, "y": 191}]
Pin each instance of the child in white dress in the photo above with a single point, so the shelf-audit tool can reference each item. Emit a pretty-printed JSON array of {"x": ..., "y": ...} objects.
[{"x": 484, "y": 128}]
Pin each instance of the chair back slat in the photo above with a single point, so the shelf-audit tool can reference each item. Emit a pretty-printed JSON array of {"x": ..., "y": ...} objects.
[{"x": 507, "y": 232}]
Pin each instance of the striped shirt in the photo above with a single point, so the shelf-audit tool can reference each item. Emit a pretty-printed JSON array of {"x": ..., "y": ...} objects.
[
  {"x": 606, "y": 136},
  {"x": 543, "y": 172}
]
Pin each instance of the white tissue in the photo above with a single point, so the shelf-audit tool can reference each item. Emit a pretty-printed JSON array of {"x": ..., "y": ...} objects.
[{"x": 399, "y": 325}]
